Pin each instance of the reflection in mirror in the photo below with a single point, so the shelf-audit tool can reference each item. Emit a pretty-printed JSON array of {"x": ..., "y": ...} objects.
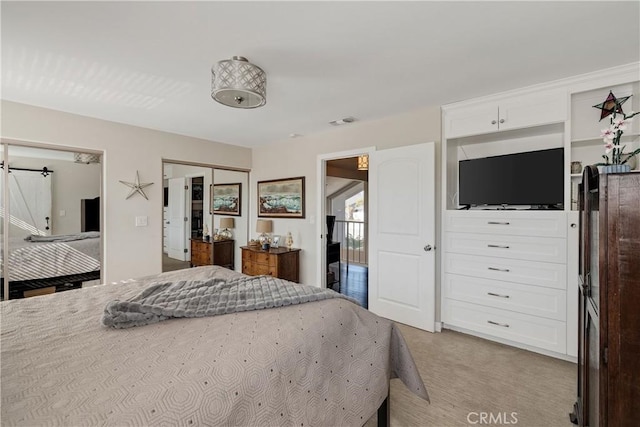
[
  {"x": 230, "y": 208},
  {"x": 186, "y": 219},
  {"x": 215, "y": 204},
  {"x": 53, "y": 224},
  {"x": 3, "y": 272}
]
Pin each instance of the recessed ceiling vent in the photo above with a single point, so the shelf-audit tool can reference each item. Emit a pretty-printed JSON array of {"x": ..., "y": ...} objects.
[{"x": 342, "y": 121}]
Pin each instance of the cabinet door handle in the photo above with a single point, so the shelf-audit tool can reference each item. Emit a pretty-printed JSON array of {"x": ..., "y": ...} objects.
[
  {"x": 493, "y": 122},
  {"x": 497, "y": 223},
  {"x": 506, "y": 270},
  {"x": 504, "y": 325},
  {"x": 497, "y": 295},
  {"x": 501, "y": 120},
  {"x": 498, "y": 246}
]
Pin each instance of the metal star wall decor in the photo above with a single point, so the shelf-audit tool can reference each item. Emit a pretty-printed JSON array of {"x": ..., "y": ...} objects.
[
  {"x": 137, "y": 187},
  {"x": 611, "y": 105}
]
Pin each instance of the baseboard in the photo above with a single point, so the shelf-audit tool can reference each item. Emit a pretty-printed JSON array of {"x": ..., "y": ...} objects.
[{"x": 512, "y": 343}]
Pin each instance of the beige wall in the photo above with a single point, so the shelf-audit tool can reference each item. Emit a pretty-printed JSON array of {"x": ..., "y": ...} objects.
[
  {"x": 136, "y": 251},
  {"x": 299, "y": 157},
  {"x": 129, "y": 251}
]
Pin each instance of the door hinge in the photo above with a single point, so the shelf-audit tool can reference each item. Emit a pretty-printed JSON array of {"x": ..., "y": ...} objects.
[
  {"x": 186, "y": 219},
  {"x": 605, "y": 355},
  {"x": 185, "y": 250},
  {"x": 186, "y": 187}
]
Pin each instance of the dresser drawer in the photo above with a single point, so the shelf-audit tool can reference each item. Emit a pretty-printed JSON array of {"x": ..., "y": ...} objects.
[
  {"x": 546, "y": 274},
  {"x": 533, "y": 300},
  {"x": 261, "y": 258},
  {"x": 262, "y": 270},
  {"x": 522, "y": 328},
  {"x": 516, "y": 223},
  {"x": 546, "y": 249}
]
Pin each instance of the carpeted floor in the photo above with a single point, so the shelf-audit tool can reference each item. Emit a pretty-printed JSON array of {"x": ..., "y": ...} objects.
[
  {"x": 467, "y": 376},
  {"x": 170, "y": 264}
]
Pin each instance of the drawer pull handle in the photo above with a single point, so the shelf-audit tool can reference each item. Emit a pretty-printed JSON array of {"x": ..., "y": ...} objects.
[
  {"x": 497, "y": 223},
  {"x": 497, "y": 295},
  {"x": 506, "y": 270},
  {"x": 504, "y": 325},
  {"x": 498, "y": 246}
]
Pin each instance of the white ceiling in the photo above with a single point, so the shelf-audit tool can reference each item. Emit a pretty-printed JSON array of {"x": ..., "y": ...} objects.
[{"x": 148, "y": 63}]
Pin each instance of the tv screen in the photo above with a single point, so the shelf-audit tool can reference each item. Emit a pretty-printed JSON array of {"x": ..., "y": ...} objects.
[{"x": 531, "y": 178}]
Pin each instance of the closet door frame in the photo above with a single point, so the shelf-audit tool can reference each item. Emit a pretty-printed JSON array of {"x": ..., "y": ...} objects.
[{"x": 5, "y": 144}]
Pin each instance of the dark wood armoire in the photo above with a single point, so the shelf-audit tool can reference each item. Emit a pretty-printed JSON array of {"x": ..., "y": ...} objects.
[{"x": 608, "y": 392}]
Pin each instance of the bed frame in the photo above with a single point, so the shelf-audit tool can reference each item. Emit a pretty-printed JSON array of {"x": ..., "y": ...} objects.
[
  {"x": 18, "y": 288},
  {"x": 384, "y": 413}
]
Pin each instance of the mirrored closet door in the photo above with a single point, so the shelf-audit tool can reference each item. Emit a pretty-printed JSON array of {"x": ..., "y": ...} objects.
[
  {"x": 204, "y": 216},
  {"x": 50, "y": 220}
]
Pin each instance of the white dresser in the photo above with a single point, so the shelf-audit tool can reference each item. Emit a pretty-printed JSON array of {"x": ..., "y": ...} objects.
[{"x": 505, "y": 276}]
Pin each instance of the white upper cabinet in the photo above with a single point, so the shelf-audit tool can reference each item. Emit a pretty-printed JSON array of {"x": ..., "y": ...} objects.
[
  {"x": 508, "y": 113},
  {"x": 471, "y": 121},
  {"x": 533, "y": 110}
]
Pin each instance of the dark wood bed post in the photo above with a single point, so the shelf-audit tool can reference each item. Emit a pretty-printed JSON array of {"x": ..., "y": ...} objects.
[{"x": 384, "y": 413}]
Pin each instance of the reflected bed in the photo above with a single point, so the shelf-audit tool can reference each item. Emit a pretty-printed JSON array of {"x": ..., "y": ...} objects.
[{"x": 60, "y": 263}]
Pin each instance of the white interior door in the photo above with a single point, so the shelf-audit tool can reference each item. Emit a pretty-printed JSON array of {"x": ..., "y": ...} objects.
[
  {"x": 402, "y": 235},
  {"x": 177, "y": 219},
  {"x": 30, "y": 203}
]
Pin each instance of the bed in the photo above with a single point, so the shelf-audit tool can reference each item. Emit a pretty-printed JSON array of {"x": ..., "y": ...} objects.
[
  {"x": 326, "y": 362},
  {"x": 63, "y": 262}
]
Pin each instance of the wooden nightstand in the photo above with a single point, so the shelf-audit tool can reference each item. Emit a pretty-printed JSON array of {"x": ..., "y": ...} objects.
[
  {"x": 223, "y": 253},
  {"x": 277, "y": 262}
]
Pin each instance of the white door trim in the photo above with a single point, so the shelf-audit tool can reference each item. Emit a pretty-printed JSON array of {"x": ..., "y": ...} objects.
[{"x": 321, "y": 168}]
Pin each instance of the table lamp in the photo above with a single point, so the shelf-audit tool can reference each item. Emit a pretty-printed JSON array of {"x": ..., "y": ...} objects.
[
  {"x": 226, "y": 224},
  {"x": 264, "y": 226}
]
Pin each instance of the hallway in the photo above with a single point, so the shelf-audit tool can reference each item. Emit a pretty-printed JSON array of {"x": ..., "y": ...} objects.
[{"x": 354, "y": 283}]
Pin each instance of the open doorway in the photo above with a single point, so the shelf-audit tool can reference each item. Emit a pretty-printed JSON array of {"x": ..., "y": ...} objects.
[{"x": 346, "y": 212}]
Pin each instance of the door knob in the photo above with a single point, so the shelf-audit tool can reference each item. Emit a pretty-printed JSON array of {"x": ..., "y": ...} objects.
[{"x": 427, "y": 248}]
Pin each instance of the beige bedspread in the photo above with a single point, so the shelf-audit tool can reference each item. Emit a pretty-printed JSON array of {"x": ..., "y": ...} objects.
[{"x": 316, "y": 364}]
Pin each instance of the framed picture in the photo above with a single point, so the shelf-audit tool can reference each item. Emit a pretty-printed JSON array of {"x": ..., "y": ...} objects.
[
  {"x": 275, "y": 241},
  {"x": 281, "y": 198},
  {"x": 226, "y": 199}
]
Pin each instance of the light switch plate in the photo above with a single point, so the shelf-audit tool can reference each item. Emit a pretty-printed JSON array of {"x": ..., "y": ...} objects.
[{"x": 141, "y": 221}]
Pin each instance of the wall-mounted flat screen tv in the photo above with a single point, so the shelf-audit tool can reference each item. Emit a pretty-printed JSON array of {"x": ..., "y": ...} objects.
[{"x": 531, "y": 178}]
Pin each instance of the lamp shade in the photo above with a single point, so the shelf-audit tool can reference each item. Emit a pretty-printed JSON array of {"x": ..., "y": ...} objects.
[
  {"x": 226, "y": 223},
  {"x": 363, "y": 162},
  {"x": 264, "y": 226},
  {"x": 238, "y": 83}
]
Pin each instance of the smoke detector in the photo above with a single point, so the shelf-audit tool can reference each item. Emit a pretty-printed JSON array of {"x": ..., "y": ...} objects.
[{"x": 342, "y": 121}]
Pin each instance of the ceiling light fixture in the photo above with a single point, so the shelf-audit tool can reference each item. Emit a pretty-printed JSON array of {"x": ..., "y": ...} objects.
[
  {"x": 238, "y": 83},
  {"x": 86, "y": 158},
  {"x": 363, "y": 162},
  {"x": 342, "y": 121}
]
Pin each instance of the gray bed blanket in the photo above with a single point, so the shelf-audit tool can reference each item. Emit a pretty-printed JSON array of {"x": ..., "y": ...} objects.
[
  {"x": 196, "y": 298},
  {"x": 63, "y": 237}
]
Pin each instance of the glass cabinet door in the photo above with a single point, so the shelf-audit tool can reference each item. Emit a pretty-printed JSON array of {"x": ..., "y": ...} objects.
[{"x": 592, "y": 196}]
